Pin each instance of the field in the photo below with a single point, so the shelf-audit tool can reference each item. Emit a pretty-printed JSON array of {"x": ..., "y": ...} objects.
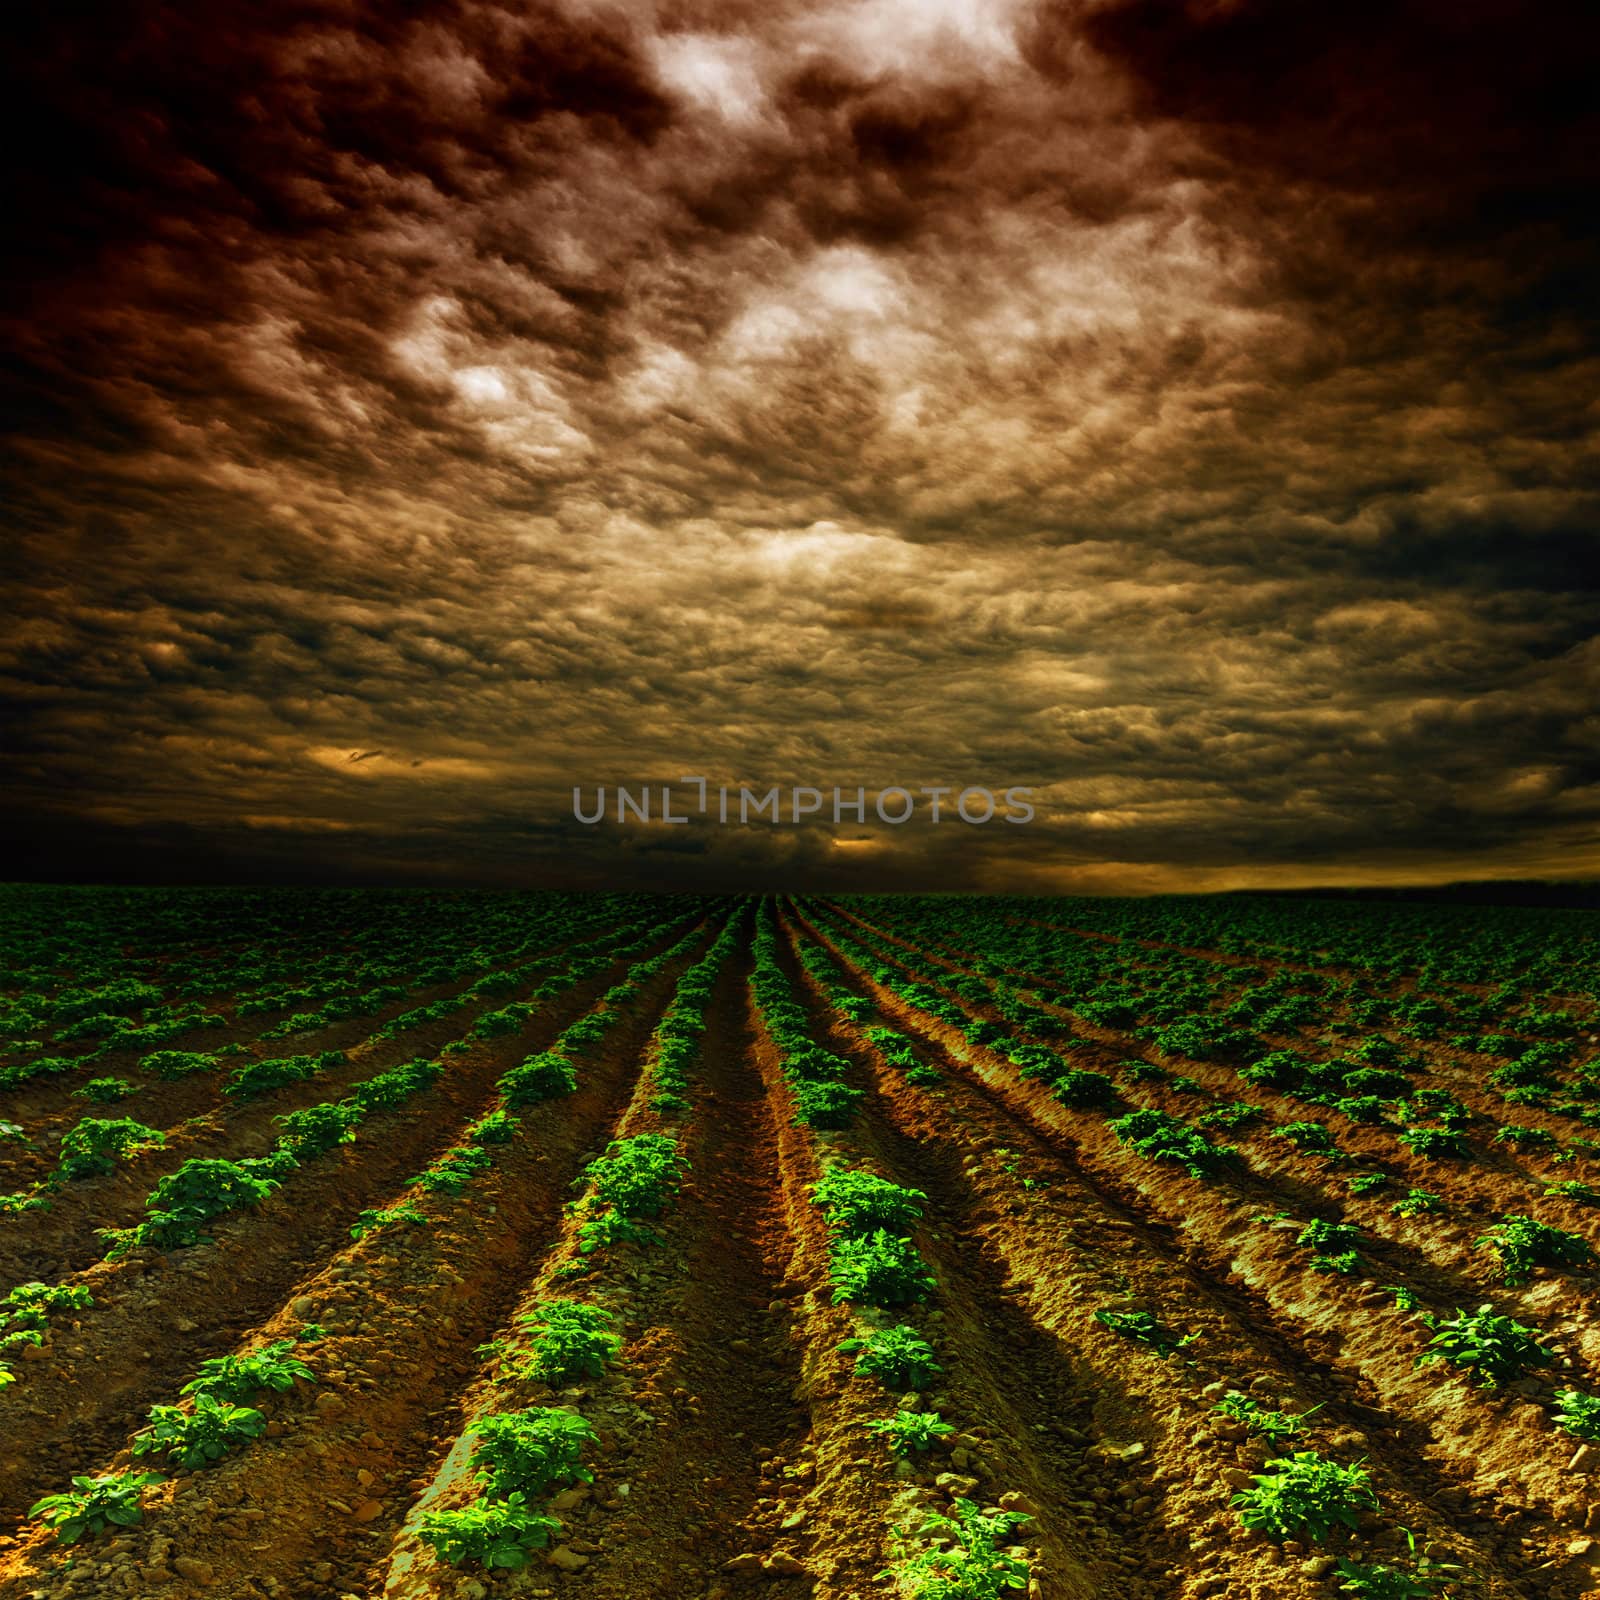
[{"x": 628, "y": 1247}]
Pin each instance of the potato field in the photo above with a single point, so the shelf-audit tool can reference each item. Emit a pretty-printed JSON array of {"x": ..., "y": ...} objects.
[{"x": 403, "y": 1244}]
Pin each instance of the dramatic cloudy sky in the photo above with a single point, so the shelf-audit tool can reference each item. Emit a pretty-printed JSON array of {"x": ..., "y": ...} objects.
[{"x": 1185, "y": 409}]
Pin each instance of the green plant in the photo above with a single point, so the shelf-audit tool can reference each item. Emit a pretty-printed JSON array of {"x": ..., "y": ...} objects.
[
  {"x": 454, "y": 1170},
  {"x": 209, "y": 1186},
  {"x": 198, "y": 1437},
  {"x": 1235, "y": 1114},
  {"x": 318, "y": 1128},
  {"x": 95, "y": 1146},
  {"x": 975, "y": 1565},
  {"x": 103, "y": 1090},
  {"x": 573, "y": 1340},
  {"x": 1523, "y": 1244},
  {"x": 1523, "y": 1138},
  {"x": 908, "y": 1433},
  {"x": 1384, "y": 1581},
  {"x": 1157, "y": 1136},
  {"x": 238, "y": 1377},
  {"x": 1312, "y": 1138},
  {"x": 608, "y": 1227},
  {"x": 1272, "y": 1425},
  {"x": 261, "y": 1077},
  {"x": 386, "y": 1090},
  {"x": 1492, "y": 1348},
  {"x": 824, "y": 1102},
  {"x": 1084, "y": 1091},
  {"x": 1435, "y": 1105},
  {"x": 499, "y": 1534},
  {"x": 878, "y": 1269},
  {"x": 177, "y": 1063},
  {"x": 372, "y": 1219},
  {"x": 93, "y": 1504},
  {"x": 1328, "y": 1237},
  {"x": 498, "y": 1127},
  {"x": 1144, "y": 1329},
  {"x": 1368, "y": 1182},
  {"x": 1305, "y": 1496},
  {"x": 1573, "y": 1189},
  {"x": 30, "y": 1305},
  {"x": 899, "y": 1357},
  {"x": 1381, "y": 1581},
  {"x": 1417, "y": 1203},
  {"x": 860, "y": 1202},
  {"x": 1432, "y": 1143},
  {"x": 541, "y": 1077},
  {"x": 1136, "y": 1071},
  {"x": 1578, "y": 1413},
  {"x": 531, "y": 1452},
  {"x": 639, "y": 1175}
]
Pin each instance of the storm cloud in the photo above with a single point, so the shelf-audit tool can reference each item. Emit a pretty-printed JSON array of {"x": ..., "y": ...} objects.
[{"x": 1184, "y": 410}]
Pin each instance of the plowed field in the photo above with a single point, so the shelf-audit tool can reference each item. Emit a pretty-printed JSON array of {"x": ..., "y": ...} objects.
[{"x": 1250, "y": 1250}]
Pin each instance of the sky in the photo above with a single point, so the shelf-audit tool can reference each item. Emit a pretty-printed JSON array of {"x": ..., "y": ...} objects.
[{"x": 1183, "y": 409}]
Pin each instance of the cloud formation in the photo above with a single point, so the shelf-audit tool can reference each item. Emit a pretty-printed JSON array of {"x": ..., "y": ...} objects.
[{"x": 1184, "y": 410}]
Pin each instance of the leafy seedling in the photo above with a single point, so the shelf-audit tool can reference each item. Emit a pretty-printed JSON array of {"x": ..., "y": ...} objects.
[
  {"x": 898, "y": 1357},
  {"x": 909, "y": 1433},
  {"x": 239, "y": 1377},
  {"x": 976, "y": 1563},
  {"x": 1578, "y": 1413},
  {"x": 92, "y": 1504},
  {"x": 1144, "y": 1329},
  {"x": 1493, "y": 1349},
  {"x": 371, "y": 1220},
  {"x": 1384, "y": 1581},
  {"x": 879, "y": 1269},
  {"x": 498, "y": 1534},
  {"x": 1273, "y": 1425},
  {"x": 531, "y": 1452},
  {"x": 1305, "y": 1496},
  {"x": 862, "y": 1202},
  {"x": 573, "y": 1340},
  {"x": 197, "y": 1438},
  {"x": 1523, "y": 1244}
]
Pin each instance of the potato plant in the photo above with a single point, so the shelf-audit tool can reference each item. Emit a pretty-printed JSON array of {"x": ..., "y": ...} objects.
[
  {"x": 571, "y": 1340},
  {"x": 1495, "y": 1350},
  {"x": 96, "y": 1146},
  {"x": 238, "y": 1377},
  {"x": 878, "y": 1269},
  {"x": 1305, "y": 1496},
  {"x": 501, "y": 1535},
  {"x": 94, "y": 1504},
  {"x": 197, "y": 1437},
  {"x": 971, "y": 1561},
  {"x": 898, "y": 1357},
  {"x": 1522, "y": 1243},
  {"x": 857, "y": 1202},
  {"x": 531, "y": 1452},
  {"x": 910, "y": 1433}
]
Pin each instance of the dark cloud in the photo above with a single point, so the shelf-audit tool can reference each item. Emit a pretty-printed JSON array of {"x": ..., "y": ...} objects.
[{"x": 1181, "y": 410}]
